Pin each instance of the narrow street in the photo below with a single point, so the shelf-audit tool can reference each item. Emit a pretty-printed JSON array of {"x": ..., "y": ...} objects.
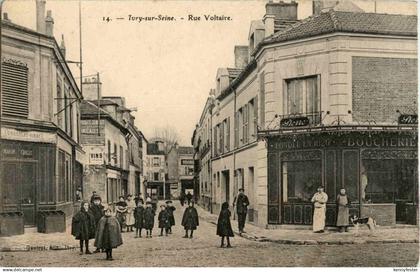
[{"x": 203, "y": 250}]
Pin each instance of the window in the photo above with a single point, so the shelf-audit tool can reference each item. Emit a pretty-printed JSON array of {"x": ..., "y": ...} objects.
[
  {"x": 215, "y": 140},
  {"x": 301, "y": 97},
  {"x": 156, "y": 161},
  {"x": 245, "y": 124},
  {"x": 156, "y": 176},
  {"x": 14, "y": 83},
  {"x": 227, "y": 134},
  {"x": 109, "y": 151},
  {"x": 236, "y": 127},
  {"x": 121, "y": 157},
  {"x": 221, "y": 135},
  {"x": 262, "y": 100},
  {"x": 115, "y": 155},
  {"x": 253, "y": 118},
  {"x": 60, "y": 107}
]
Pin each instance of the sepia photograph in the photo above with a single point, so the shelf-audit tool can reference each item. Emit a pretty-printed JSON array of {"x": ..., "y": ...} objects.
[{"x": 170, "y": 134}]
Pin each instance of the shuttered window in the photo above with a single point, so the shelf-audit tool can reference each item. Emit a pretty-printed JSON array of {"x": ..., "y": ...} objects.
[{"x": 14, "y": 83}]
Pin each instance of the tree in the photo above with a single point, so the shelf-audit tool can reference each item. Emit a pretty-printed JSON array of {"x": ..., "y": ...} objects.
[{"x": 168, "y": 135}]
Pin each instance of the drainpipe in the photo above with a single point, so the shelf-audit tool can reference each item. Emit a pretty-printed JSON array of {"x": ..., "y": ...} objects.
[{"x": 211, "y": 156}]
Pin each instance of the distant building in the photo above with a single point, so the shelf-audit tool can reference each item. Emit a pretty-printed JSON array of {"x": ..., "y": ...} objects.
[
  {"x": 156, "y": 170},
  {"x": 40, "y": 154}
]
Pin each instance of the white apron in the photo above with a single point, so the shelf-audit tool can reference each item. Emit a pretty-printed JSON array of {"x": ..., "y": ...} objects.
[{"x": 319, "y": 200}]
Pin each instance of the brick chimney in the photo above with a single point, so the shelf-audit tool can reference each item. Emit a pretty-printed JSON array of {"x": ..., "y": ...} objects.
[
  {"x": 40, "y": 16},
  {"x": 6, "y": 17},
  {"x": 92, "y": 89},
  {"x": 241, "y": 56},
  {"x": 49, "y": 24},
  {"x": 279, "y": 11}
]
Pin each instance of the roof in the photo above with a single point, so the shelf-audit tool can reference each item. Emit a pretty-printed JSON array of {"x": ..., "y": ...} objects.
[
  {"x": 349, "y": 22},
  {"x": 233, "y": 73},
  {"x": 153, "y": 149},
  {"x": 186, "y": 150},
  {"x": 104, "y": 102},
  {"x": 87, "y": 107}
]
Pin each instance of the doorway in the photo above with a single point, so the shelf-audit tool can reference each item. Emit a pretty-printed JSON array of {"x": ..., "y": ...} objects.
[
  {"x": 19, "y": 189},
  {"x": 226, "y": 184}
]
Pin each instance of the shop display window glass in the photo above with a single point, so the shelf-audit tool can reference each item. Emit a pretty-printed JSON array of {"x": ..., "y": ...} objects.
[{"x": 300, "y": 180}]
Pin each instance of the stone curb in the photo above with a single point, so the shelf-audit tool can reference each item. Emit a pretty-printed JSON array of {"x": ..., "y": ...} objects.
[
  {"x": 312, "y": 242},
  {"x": 36, "y": 248}
]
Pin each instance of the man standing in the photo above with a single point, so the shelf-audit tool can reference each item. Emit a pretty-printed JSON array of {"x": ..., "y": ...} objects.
[
  {"x": 320, "y": 203},
  {"x": 189, "y": 197},
  {"x": 241, "y": 202}
]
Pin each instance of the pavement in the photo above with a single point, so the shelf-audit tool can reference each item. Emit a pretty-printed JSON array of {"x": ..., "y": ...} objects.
[
  {"x": 34, "y": 241},
  {"x": 305, "y": 236},
  {"x": 61, "y": 250}
]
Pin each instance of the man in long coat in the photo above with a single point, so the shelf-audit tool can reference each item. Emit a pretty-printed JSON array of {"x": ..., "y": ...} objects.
[
  {"x": 320, "y": 204},
  {"x": 97, "y": 210},
  {"x": 241, "y": 202}
]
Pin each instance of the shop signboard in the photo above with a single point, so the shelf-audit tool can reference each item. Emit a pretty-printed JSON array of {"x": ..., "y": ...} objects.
[
  {"x": 407, "y": 119},
  {"x": 294, "y": 122}
]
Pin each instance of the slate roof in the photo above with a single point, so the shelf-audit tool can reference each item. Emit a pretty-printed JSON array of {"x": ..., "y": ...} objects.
[
  {"x": 233, "y": 73},
  {"x": 153, "y": 149},
  {"x": 349, "y": 22}
]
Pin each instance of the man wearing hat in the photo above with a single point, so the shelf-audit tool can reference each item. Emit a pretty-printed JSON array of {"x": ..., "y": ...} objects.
[
  {"x": 241, "y": 202},
  {"x": 320, "y": 205},
  {"x": 170, "y": 209}
]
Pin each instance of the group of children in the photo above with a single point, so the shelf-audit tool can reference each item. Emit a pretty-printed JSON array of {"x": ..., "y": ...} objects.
[{"x": 93, "y": 221}]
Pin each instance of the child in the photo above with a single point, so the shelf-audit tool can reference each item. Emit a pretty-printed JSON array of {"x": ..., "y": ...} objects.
[
  {"x": 83, "y": 226},
  {"x": 139, "y": 217},
  {"x": 170, "y": 208},
  {"x": 149, "y": 219},
  {"x": 131, "y": 205},
  {"x": 121, "y": 212},
  {"x": 190, "y": 219},
  {"x": 224, "y": 228},
  {"x": 163, "y": 220},
  {"x": 97, "y": 210},
  {"x": 108, "y": 235}
]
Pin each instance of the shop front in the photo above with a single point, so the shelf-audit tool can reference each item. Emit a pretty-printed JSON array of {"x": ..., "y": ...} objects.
[{"x": 377, "y": 168}]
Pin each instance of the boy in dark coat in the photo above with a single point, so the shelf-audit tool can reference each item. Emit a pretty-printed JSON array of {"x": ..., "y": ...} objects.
[
  {"x": 163, "y": 219},
  {"x": 83, "y": 227},
  {"x": 171, "y": 209},
  {"x": 190, "y": 219},
  {"x": 149, "y": 219},
  {"x": 97, "y": 210},
  {"x": 139, "y": 218},
  {"x": 224, "y": 228},
  {"x": 108, "y": 235},
  {"x": 121, "y": 212}
]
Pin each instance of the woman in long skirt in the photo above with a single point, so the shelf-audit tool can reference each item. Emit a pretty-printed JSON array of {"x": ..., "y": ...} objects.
[{"x": 224, "y": 228}]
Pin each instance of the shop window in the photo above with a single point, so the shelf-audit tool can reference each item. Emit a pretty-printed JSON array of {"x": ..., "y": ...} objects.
[
  {"x": 10, "y": 190},
  {"x": 389, "y": 181},
  {"x": 350, "y": 174},
  {"x": 300, "y": 180},
  {"x": 301, "y": 97},
  {"x": 14, "y": 83}
]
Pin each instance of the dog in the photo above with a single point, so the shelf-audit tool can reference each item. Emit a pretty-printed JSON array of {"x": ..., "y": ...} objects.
[{"x": 368, "y": 221}]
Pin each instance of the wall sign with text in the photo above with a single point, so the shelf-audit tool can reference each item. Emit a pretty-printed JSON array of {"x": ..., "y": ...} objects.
[
  {"x": 407, "y": 119},
  {"x": 294, "y": 122}
]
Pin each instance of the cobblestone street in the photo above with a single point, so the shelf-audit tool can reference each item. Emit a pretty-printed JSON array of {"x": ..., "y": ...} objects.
[{"x": 203, "y": 250}]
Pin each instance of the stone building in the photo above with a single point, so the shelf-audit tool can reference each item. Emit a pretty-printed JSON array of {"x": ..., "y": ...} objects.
[
  {"x": 180, "y": 162},
  {"x": 112, "y": 143},
  {"x": 156, "y": 170},
  {"x": 326, "y": 100},
  {"x": 40, "y": 139}
]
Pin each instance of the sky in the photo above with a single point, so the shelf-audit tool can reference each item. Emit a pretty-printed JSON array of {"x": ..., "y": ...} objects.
[{"x": 163, "y": 68}]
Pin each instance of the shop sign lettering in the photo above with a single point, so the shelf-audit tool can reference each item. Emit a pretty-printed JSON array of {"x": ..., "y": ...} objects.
[
  {"x": 294, "y": 122},
  {"x": 187, "y": 162},
  {"x": 407, "y": 119},
  {"x": 31, "y": 136}
]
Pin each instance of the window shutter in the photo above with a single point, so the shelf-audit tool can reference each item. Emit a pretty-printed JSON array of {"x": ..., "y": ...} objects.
[
  {"x": 215, "y": 141},
  {"x": 221, "y": 135},
  {"x": 228, "y": 134},
  {"x": 255, "y": 121},
  {"x": 14, "y": 83},
  {"x": 262, "y": 100},
  {"x": 236, "y": 132}
]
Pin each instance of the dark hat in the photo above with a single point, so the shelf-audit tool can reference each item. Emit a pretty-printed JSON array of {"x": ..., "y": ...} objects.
[
  {"x": 122, "y": 197},
  {"x": 241, "y": 189},
  {"x": 168, "y": 201},
  {"x": 97, "y": 197},
  {"x": 148, "y": 202}
]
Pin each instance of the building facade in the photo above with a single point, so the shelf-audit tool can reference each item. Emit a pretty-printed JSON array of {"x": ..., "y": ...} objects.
[
  {"x": 156, "y": 170},
  {"x": 327, "y": 102},
  {"x": 40, "y": 116}
]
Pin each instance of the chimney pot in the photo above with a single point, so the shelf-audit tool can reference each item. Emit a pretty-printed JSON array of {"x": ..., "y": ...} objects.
[
  {"x": 241, "y": 56},
  {"x": 49, "y": 24},
  {"x": 6, "y": 17},
  {"x": 63, "y": 46}
]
